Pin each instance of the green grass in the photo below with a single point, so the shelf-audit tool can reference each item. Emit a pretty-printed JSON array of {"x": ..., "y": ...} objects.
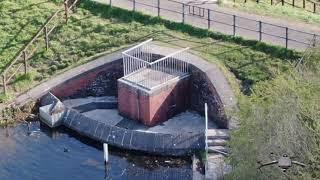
[
  {"x": 19, "y": 21},
  {"x": 281, "y": 116},
  {"x": 277, "y": 10}
]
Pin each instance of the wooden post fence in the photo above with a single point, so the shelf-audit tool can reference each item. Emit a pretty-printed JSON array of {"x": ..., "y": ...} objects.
[
  {"x": 260, "y": 30},
  {"x": 134, "y": 5},
  {"x": 4, "y": 84},
  {"x": 234, "y": 25},
  {"x": 158, "y": 8},
  {"x": 46, "y": 38},
  {"x": 183, "y": 15},
  {"x": 209, "y": 20},
  {"x": 25, "y": 62},
  {"x": 66, "y": 11},
  {"x": 287, "y": 39}
]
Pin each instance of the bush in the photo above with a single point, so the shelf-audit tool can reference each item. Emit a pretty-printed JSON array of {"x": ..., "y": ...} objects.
[{"x": 280, "y": 117}]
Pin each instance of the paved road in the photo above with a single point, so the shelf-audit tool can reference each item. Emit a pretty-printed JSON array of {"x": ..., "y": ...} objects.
[{"x": 273, "y": 29}]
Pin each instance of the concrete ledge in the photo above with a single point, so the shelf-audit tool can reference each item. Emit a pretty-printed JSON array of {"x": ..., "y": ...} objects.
[
  {"x": 155, "y": 143},
  {"x": 91, "y": 103}
]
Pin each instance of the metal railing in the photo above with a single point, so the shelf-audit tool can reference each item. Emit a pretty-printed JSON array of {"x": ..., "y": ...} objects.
[
  {"x": 141, "y": 66},
  {"x": 308, "y": 5},
  {"x": 221, "y": 22}
]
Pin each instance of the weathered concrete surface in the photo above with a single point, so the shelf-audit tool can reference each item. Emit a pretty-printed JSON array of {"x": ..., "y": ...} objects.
[
  {"x": 156, "y": 143},
  {"x": 109, "y": 116},
  {"x": 153, "y": 106},
  {"x": 91, "y": 103}
]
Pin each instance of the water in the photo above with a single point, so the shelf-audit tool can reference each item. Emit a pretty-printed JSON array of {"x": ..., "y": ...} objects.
[{"x": 43, "y": 154}]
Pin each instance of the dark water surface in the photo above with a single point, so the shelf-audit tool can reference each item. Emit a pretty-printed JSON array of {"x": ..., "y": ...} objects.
[{"x": 43, "y": 154}]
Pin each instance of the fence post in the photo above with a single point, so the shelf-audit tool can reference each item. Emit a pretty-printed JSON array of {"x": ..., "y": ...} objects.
[
  {"x": 257, "y": 1},
  {"x": 304, "y": 4},
  {"x": 260, "y": 30},
  {"x": 46, "y": 37},
  {"x": 271, "y": 2},
  {"x": 66, "y": 11},
  {"x": 158, "y": 8},
  {"x": 4, "y": 84},
  {"x": 183, "y": 8},
  {"x": 209, "y": 20},
  {"x": 234, "y": 25},
  {"x": 293, "y": 3},
  {"x": 314, "y": 40},
  {"x": 287, "y": 39},
  {"x": 314, "y": 7},
  {"x": 134, "y": 5},
  {"x": 110, "y": 2},
  {"x": 25, "y": 61},
  {"x": 282, "y": 2}
]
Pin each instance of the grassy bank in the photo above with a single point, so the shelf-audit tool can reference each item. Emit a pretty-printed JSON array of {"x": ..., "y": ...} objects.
[
  {"x": 95, "y": 29},
  {"x": 19, "y": 21},
  {"x": 282, "y": 116},
  {"x": 277, "y": 10}
]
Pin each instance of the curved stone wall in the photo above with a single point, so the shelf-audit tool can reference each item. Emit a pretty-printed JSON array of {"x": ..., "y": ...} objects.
[
  {"x": 208, "y": 85},
  {"x": 164, "y": 144}
]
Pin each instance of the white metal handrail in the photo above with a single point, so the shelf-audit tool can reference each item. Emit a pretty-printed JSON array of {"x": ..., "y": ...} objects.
[{"x": 141, "y": 67}]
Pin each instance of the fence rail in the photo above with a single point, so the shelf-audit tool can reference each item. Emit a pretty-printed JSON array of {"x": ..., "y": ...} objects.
[
  {"x": 221, "y": 22},
  {"x": 143, "y": 69},
  {"x": 308, "y": 5},
  {"x": 21, "y": 58}
]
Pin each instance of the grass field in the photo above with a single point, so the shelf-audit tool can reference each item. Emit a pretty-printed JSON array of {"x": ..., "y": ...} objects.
[
  {"x": 19, "y": 21},
  {"x": 274, "y": 101},
  {"x": 277, "y": 10}
]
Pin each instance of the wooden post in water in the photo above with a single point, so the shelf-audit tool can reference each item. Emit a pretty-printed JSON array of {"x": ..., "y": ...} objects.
[
  {"x": 105, "y": 153},
  {"x": 206, "y": 131}
]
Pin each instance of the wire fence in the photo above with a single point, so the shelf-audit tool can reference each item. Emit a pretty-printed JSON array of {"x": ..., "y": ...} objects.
[
  {"x": 222, "y": 22},
  {"x": 308, "y": 5}
]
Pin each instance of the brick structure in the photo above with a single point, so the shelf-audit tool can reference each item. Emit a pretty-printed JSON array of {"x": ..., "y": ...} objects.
[{"x": 153, "y": 106}]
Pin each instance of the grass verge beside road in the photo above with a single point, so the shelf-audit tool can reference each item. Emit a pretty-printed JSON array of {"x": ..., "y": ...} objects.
[{"x": 264, "y": 8}]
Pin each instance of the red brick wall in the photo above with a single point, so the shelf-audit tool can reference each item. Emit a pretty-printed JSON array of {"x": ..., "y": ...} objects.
[
  {"x": 75, "y": 85},
  {"x": 156, "y": 107}
]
